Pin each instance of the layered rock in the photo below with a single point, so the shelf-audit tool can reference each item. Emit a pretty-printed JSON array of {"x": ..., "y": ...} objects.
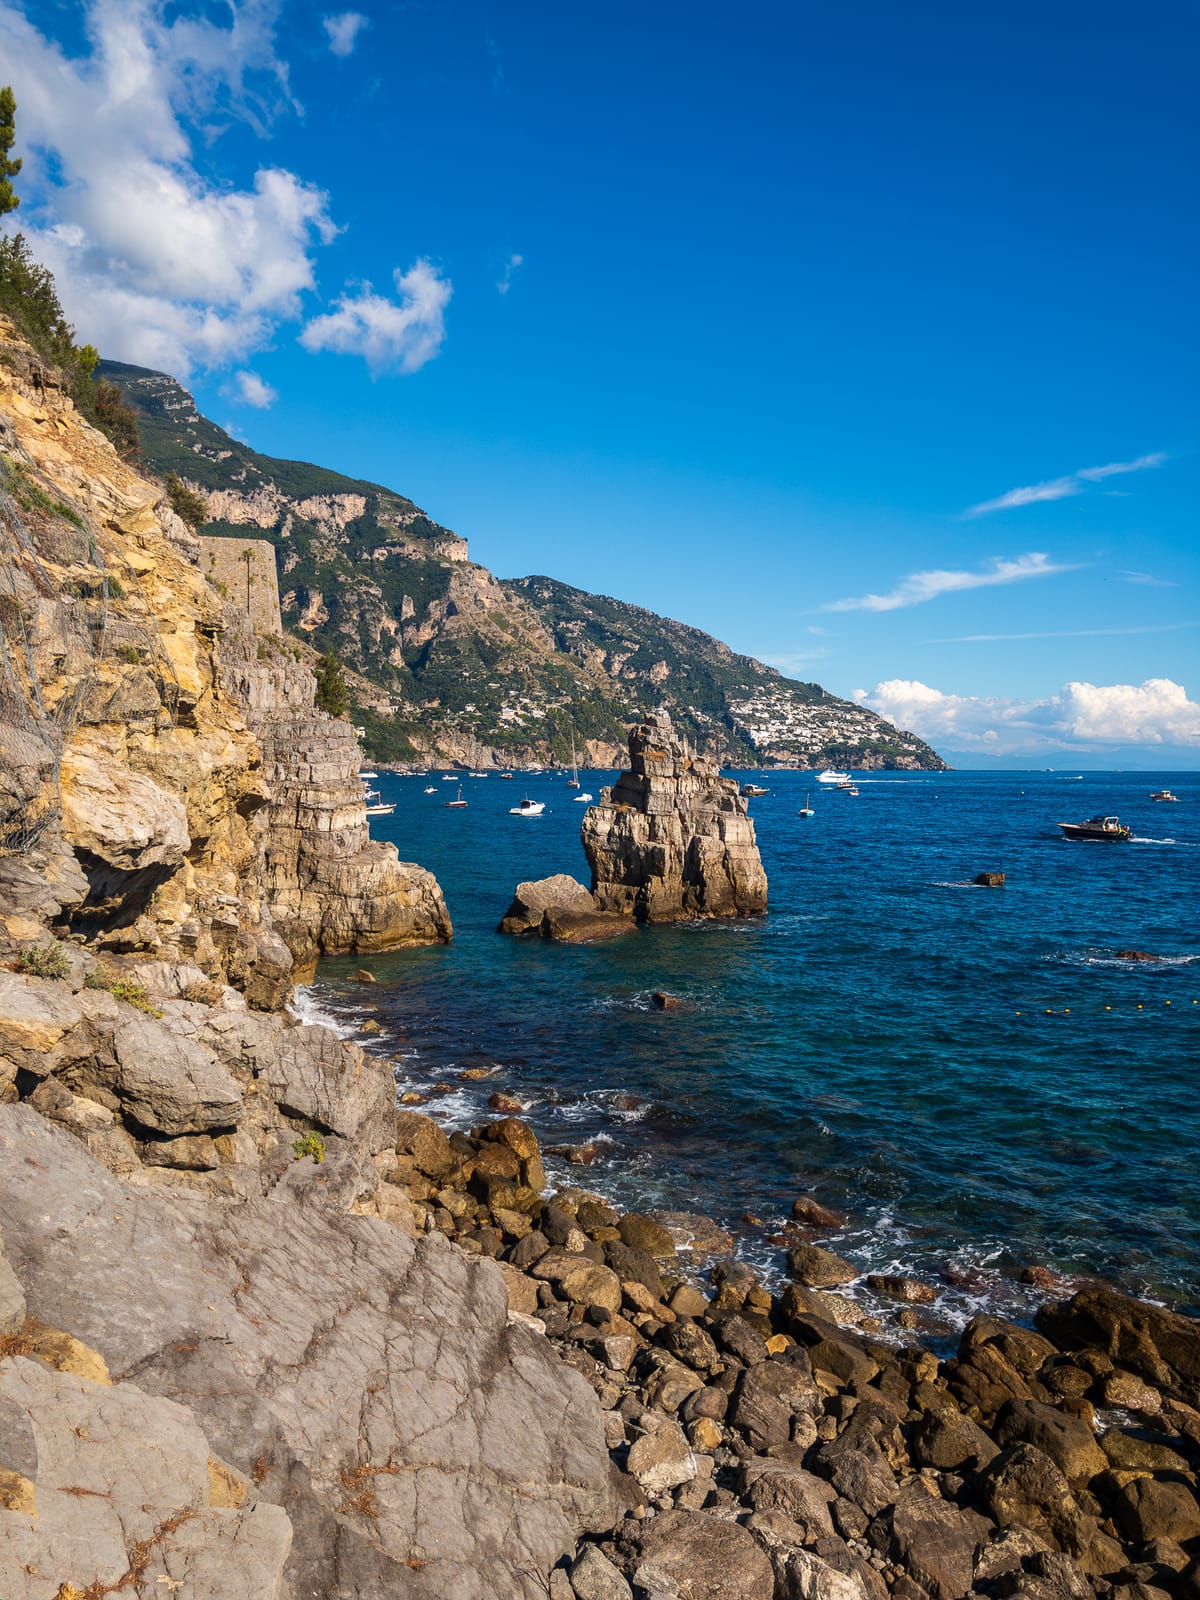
[
  {"x": 330, "y": 887},
  {"x": 672, "y": 838}
]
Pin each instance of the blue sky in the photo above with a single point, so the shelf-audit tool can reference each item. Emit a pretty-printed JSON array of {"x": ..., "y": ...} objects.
[{"x": 758, "y": 319}]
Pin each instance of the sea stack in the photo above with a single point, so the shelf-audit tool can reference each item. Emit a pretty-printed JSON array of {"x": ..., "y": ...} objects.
[{"x": 672, "y": 837}]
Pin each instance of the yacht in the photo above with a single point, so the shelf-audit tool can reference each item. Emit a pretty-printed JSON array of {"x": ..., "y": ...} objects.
[
  {"x": 1108, "y": 829},
  {"x": 830, "y": 776}
]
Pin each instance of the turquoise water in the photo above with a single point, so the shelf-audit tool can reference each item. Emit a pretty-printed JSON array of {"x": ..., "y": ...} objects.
[{"x": 971, "y": 1075}]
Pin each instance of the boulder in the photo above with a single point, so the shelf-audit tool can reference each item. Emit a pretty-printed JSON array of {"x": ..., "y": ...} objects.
[
  {"x": 951, "y": 1442},
  {"x": 812, "y": 1213},
  {"x": 639, "y": 1232},
  {"x": 1156, "y": 1508},
  {"x": 533, "y": 899},
  {"x": 697, "y": 1556},
  {"x": 1067, "y": 1440},
  {"x": 593, "y": 1577},
  {"x": 1023, "y": 1488},
  {"x": 662, "y": 1459},
  {"x": 935, "y": 1542},
  {"x": 1160, "y": 1346},
  {"x": 816, "y": 1268},
  {"x": 990, "y": 880}
]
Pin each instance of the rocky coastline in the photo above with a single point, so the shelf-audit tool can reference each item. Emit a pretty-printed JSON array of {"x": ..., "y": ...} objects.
[{"x": 265, "y": 1333}]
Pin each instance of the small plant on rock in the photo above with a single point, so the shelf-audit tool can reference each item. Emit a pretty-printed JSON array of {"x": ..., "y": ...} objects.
[
  {"x": 125, "y": 989},
  {"x": 47, "y": 960},
  {"x": 310, "y": 1144}
]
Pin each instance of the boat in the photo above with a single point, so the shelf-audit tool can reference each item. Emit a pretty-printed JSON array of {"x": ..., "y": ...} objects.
[
  {"x": 365, "y": 775},
  {"x": 527, "y": 808},
  {"x": 1165, "y": 794},
  {"x": 456, "y": 804},
  {"x": 381, "y": 810},
  {"x": 1108, "y": 829},
  {"x": 476, "y": 774},
  {"x": 806, "y": 810},
  {"x": 507, "y": 775},
  {"x": 750, "y": 790},
  {"x": 370, "y": 794},
  {"x": 848, "y": 788},
  {"x": 431, "y": 788},
  {"x": 584, "y": 796},
  {"x": 573, "y": 780},
  {"x": 449, "y": 777},
  {"x": 830, "y": 776}
]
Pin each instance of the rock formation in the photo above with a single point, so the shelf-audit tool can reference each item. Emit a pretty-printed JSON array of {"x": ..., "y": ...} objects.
[{"x": 672, "y": 838}]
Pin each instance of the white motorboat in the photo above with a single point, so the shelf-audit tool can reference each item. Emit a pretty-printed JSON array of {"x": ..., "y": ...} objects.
[
  {"x": 365, "y": 775},
  {"x": 380, "y": 810},
  {"x": 449, "y": 777},
  {"x": 527, "y": 808},
  {"x": 431, "y": 788},
  {"x": 830, "y": 776},
  {"x": 583, "y": 796}
]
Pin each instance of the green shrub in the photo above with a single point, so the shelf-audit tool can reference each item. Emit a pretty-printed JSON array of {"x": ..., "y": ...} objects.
[
  {"x": 331, "y": 686},
  {"x": 185, "y": 502},
  {"x": 47, "y": 960},
  {"x": 129, "y": 654},
  {"x": 133, "y": 994},
  {"x": 310, "y": 1144}
]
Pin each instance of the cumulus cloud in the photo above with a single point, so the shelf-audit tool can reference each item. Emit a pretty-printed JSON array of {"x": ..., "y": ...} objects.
[
  {"x": 919, "y": 587},
  {"x": 158, "y": 262},
  {"x": 343, "y": 31},
  {"x": 155, "y": 262},
  {"x": 510, "y": 267},
  {"x": 401, "y": 334},
  {"x": 1080, "y": 717},
  {"x": 1060, "y": 488},
  {"x": 252, "y": 390}
]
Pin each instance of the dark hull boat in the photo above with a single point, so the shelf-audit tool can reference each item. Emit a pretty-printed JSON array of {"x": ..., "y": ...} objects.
[{"x": 1107, "y": 829}]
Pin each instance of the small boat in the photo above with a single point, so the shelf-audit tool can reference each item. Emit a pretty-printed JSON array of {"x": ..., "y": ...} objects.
[
  {"x": 507, "y": 775},
  {"x": 584, "y": 796},
  {"x": 431, "y": 788},
  {"x": 370, "y": 794},
  {"x": 365, "y": 775},
  {"x": 848, "y": 788},
  {"x": 457, "y": 804},
  {"x": 449, "y": 777},
  {"x": 527, "y": 808},
  {"x": 806, "y": 810},
  {"x": 750, "y": 790},
  {"x": 380, "y": 810},
  {"x": 830, "y": 776},
  {"x": 573, "y": 780},
  {"x": 1165, "y": 794},
  {"x": 476, "y": 774},
  {"x": 1108, "y": 829}
]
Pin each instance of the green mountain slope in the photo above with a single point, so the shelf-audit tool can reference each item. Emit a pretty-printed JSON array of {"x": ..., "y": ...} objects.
[{"x": 465, "y": 667}]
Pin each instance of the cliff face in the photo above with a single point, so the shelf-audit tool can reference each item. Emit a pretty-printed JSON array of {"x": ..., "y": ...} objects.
[
  {"x": 130, "y": 764},
  {"x": 672, "y": 838}
]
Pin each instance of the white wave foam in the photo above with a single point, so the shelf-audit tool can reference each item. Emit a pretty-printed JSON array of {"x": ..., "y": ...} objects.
[{"x": 306, "y": 1008}]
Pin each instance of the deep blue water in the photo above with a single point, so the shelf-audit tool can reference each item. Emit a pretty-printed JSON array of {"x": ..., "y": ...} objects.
[{"x": 970, "y": 1074}]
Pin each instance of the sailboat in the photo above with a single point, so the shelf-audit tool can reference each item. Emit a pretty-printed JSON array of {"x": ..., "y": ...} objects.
[
  {"x": 573, "y": 780},
  {"x": 456, "y": 804},
  {"x": 806, "y": 810}
]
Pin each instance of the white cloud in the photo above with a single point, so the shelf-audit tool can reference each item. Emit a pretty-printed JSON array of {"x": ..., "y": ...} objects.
[
  {"x": 919, "y": 587},
  {"x": 510, "y": 267},
  {"x": 343, "y": 30},
  {"x": 402, "y": 334},
  {"x": 1148, "y": 579},
  {"x": 252, "y": 390},
  {"x": 1061, "y": 488},
  {"x": 1080, "y": 717},
  {"x": 155, "y": 262}
]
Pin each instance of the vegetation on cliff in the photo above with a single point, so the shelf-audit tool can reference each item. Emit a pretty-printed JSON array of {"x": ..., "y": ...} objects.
[{"x": 472, "y": 668}]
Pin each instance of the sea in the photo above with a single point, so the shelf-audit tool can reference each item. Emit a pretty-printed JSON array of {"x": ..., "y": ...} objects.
[{"x": 973, "y": 1076}]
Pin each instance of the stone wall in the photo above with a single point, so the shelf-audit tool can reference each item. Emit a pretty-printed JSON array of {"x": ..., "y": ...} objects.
[{"x": 246, "y": 576}]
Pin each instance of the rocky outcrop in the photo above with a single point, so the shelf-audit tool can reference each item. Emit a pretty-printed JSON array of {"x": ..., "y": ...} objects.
[
  {"x": 368, "y": 1399},
  {"x": 672, "y": 838},
  {"x": 330, "y": 887}
]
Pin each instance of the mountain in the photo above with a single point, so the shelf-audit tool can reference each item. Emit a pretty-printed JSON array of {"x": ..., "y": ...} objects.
[{"x": 456, "y": 664}]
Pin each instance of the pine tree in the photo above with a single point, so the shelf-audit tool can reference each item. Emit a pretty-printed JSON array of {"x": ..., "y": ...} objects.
[
  {"x": 9, "y": 167},
  {"x": 331, "y": 686}
]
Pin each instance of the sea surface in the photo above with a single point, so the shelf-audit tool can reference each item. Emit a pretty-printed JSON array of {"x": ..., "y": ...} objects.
[{"x": 971, "y": 1075}]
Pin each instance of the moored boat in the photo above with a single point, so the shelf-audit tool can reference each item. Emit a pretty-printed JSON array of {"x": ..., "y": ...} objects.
[
  {"x": 751, "y": 790},
  {"x": 1107, "y": 829},
  {"x": 458, "y": 803},
  {"x": 527, "y": 808}
]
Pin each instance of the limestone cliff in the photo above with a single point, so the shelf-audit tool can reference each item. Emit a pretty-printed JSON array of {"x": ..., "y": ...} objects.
[
  {"x": 672, "y": 838},
  {"x": 129, "y": 772}
]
